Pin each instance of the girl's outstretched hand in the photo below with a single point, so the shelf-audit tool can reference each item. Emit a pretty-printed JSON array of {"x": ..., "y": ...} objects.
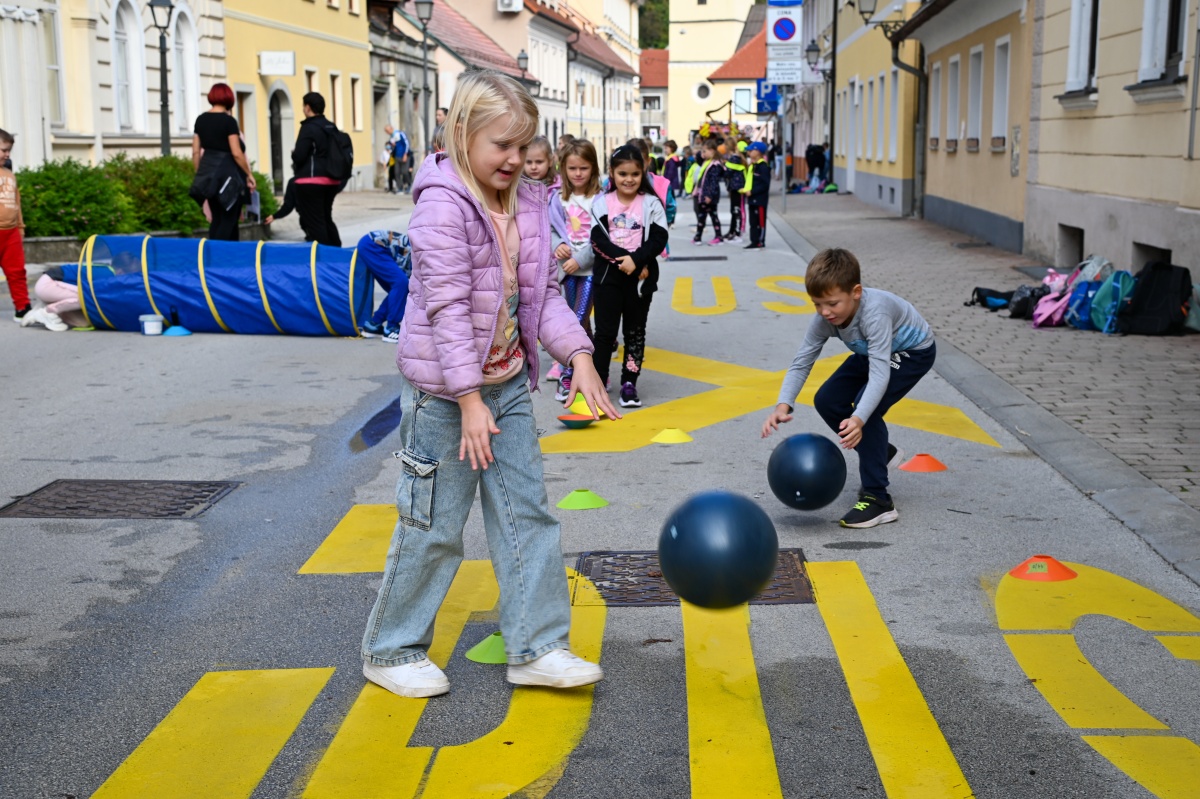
[
  {"x": 478, "y": 427},
  {"x": 585, "y": 381}
]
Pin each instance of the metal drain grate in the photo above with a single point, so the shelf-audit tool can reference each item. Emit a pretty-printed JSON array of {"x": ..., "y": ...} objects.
[
  {"x": 119, "y": 499},
  {"x": 634, "y": 579}
]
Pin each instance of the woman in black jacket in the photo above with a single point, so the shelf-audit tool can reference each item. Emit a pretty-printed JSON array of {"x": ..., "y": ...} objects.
[{"x": 223, "y": 176}]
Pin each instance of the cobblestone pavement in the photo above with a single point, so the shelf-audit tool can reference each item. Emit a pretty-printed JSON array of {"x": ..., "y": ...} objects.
[{"x": 1138, "y": 397}]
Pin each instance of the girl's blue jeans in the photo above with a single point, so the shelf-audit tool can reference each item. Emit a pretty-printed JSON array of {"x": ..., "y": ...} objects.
[{"x": 434, "y": 494}]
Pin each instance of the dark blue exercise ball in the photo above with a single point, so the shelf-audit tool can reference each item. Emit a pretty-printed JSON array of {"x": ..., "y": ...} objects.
[
  {"x": 718, "y": 549},
  {"x": 807, "y": 471}
]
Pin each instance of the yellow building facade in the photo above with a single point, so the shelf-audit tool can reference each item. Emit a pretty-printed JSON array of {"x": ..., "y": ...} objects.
[
  {"x": 1113, "y": 165},
  {"x": 978, "y": 58},
  {"x": 703, "y": 36},
  {"x": 278, "y": 51},
  {"x": 875, "y": 105}
]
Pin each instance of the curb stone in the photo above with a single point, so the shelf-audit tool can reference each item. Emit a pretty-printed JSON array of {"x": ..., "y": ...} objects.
[{"x": 1166, "y": 524}]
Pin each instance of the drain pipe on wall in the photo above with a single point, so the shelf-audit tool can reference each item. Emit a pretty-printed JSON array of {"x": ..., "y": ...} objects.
[
  {"x": 1195, "y": 87},
  {"x": 919, "y": 128}
]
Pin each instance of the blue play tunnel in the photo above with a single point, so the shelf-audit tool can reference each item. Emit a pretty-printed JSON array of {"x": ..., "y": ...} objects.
[{"x": 299, "y": 289}]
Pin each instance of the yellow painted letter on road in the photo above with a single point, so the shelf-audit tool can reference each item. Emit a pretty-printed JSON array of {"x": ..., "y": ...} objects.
[
  {"x": 773, "y": 285},
  {"x": 526, "y": 753},
  {"x": 682, "y": 297}
]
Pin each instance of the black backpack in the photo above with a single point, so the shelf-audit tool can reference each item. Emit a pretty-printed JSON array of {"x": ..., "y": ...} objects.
[
  {"x": 341, "y": 153},
  {"x": 1159, "y": 303}
]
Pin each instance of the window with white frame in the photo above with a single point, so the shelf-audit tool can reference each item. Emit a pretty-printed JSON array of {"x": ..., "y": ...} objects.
[
  {"x": 54, "y": 78},
  {"x": 356, "y": 120},
  {"x": 1000, "y": 89},
  {"x": 880, "y": 118},
  {"x": 1082, "y": 44},
  {"x": 335, "y": 99},
  {"x": 651, "y": 102},
  {"x": 859, "y": 112},
  {"x": 935, "y": 102},
  {"x": 975, "y": 95},
  {"x": 128, "y": 65},
  {"x": 868, "y": 128},
  {"x": 1164, "y": 40},
  {"x": 743, "y": 101},
  {"x": 185, "y": 71},
  {"x": 894, "y": 117},
  {"x": 953, "y": 90}
]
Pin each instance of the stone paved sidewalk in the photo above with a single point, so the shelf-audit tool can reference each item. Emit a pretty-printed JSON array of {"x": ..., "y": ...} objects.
[{"x": 1138, "y": 397}]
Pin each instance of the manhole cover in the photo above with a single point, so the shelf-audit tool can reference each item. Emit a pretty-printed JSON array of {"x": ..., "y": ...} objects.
[
  {"x": 634, "y": 579},
  {"x": 119, "y": 499}
]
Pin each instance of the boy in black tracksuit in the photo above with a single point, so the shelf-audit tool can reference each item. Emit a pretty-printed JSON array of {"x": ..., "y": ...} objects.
[{"x": 758, "y": 189}]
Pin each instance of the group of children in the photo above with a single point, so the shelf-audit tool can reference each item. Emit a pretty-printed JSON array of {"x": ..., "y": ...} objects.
[
  {"x": 484, "y": 293},
  {"x": 742, "y": 168}
]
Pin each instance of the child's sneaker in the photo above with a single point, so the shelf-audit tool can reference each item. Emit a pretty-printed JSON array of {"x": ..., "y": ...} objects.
[
  {"x": 418, "y": 679},
  {"x": 558, "y": 668},
  {"x": 391, "y": 336},
  {"x": 869, "y": 512},
  {"x": 895, "y": 456},
  {"x": 20, "y": 313},
  {"x": 629, "y": 396},
  {"x": 564, "y": 389},
  {"x": 735, "y": 239},
  {"x": 371, "y": 329},
  {"x": 555, "y": 372},
  {"x": 697, "y": 240},
  {"x": 716, "y": 241}
]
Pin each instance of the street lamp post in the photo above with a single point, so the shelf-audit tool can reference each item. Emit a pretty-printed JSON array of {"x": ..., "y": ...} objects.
[
  {"x": 161, "y": 11},
  {"x": 424, "y": 14}
]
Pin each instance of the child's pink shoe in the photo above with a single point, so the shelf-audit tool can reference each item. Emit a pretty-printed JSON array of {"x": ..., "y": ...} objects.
[{"x": 555, "y": 372}]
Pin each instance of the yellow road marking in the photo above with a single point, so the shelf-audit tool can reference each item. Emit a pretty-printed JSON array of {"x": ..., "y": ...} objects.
[
  {"x": 1183, "y": 648},
  {"x": 1031, "y": 605},
  {"x": 1165, "y": 766},
  {"x": 358, "y": 544},
  {"x": 221, "y": 738},
  {"x": 369, "y": 755},
  {"x": 773, "y": 285},
  {"x": 527, "y": 752},
  {"x": 728, "y": 738},
  {"x": 1072, "y": 686},
  {"x": 742, "y": 390},
  {"x": 912, "y": 755},
  {"x": 681, "y": 297}
]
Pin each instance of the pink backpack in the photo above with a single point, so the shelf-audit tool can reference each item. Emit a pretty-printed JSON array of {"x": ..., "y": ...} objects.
[{"x": 1051, "y": 310}]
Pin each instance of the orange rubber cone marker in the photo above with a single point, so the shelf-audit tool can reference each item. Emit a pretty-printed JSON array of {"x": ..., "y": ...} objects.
[
  {"x": 1043, "y": 569},
  {"x": 922, "y": 462}
]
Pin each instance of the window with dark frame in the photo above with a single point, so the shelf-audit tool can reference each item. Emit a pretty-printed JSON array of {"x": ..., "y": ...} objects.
[
  {"x": 1176, "y": 14},
  {"x": 1093, "y": 43}
]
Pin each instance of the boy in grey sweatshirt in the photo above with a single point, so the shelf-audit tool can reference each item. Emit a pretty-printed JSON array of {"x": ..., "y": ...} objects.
[{"x": 892, "y": 348}]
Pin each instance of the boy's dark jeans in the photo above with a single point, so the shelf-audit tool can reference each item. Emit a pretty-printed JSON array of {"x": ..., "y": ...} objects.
[{"x": 837, "y": 398}]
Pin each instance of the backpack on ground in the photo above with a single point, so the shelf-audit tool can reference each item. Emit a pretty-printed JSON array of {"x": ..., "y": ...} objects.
[
  {"x": 1051, "y": 309},
  {"x": 341, "y": 153},
  {"x": 1111, "y": 297},
  {"x": 1079, "y": 306},
  {"x": 1025, "y": 299},
  {"x": 1159, "y": 303},
  {"x": 1193, "y": 317},
  {"x": 990, "y": 298}
]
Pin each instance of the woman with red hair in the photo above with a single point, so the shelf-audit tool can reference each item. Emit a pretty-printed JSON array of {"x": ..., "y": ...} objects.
[{"x": 223, "y": 175}]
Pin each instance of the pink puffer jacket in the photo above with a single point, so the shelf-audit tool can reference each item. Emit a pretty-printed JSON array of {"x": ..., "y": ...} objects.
[{"x": 455, "y": 290}]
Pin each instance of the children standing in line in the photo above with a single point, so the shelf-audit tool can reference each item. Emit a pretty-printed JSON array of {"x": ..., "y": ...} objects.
[
  {"x": 757, "y": 192},
  {"x": 892, "y": 349},
  {"x": 708, "y": 193},
  {"x": 483, "y": 293},
  {"x": 571, "y": 235},
  {"x": 629, "y": 233}
]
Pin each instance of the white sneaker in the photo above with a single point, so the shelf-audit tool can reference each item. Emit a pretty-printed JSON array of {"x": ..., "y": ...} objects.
[
  {"x": 417, "y": 679},
  {"x": 40, "y": 316},
  {"x": 558, "y": 668},
  {"x": 53, "y": 321}
]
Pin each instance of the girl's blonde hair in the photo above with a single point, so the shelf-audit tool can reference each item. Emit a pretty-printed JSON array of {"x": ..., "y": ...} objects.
[
  {"x": 482, "y": 97},
  {"x": 580, "y": 148},
  {"x": 544, "y": 143}
]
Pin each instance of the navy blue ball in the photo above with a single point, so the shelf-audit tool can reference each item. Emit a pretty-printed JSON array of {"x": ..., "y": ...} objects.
[
  {"x": 718, "y": 549},
  {"x": 807, "y": 471}
]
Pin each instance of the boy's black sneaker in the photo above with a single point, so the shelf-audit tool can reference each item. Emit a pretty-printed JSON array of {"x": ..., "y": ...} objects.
[
  {"x": 754, "y": 247},
  {"x": 869, "y": 512},
  {"x": 370, "y": 329}
]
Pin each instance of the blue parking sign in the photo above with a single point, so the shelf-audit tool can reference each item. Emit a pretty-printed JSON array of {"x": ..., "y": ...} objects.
[{"x": 768, "y": 97}]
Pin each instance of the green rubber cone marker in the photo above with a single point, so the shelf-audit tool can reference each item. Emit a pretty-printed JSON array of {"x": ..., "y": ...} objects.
[
  {"x": 489, "y": 650},
  {"x": 582, "y": 499}
]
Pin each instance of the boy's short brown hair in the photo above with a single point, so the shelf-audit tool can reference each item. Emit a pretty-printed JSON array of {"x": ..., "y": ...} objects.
[
  {"x": 6, "y": 137},
  {"x": 830, "y": 270}
]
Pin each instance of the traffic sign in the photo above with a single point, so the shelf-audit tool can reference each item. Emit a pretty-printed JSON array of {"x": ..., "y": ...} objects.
[{"x": 784, "y": 26}]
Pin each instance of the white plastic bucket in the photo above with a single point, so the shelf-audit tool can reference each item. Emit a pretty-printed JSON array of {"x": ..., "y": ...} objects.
[{"x": 152, "y": 324}]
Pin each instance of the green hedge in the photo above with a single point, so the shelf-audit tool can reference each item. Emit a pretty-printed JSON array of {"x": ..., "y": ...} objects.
[{"x": 122, "y": 195}]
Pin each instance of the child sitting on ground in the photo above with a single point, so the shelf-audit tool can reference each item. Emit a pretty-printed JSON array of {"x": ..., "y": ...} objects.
[{"x": 892, "y": 349}]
